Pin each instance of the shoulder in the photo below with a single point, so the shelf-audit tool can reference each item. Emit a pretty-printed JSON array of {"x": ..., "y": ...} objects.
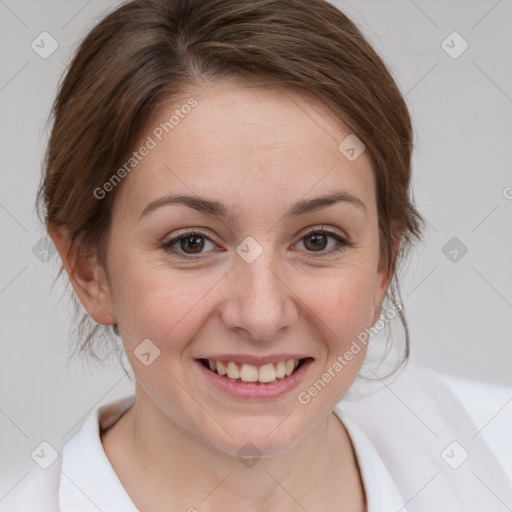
[
  {"x": 37, "y": 491},
  {"x": 446, "y": 434},
  {"x": 81, "y": 463},
  {"x": 435, "y": 397},
  {"x": 490, "y": 407},
  {"x": 482, "y": 401}
]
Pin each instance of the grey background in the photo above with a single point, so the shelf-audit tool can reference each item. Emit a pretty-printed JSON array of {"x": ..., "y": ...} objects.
[{"x": 459, "y": 313}]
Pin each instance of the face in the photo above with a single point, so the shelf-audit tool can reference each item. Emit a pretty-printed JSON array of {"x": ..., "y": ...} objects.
[{"x": 259, "y": 277}]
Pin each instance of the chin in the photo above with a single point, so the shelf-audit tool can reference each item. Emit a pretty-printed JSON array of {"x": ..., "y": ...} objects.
[{"x": 266, "y": 437}]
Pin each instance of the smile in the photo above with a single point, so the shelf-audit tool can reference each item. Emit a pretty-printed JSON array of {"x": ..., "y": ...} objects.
[
  {"x": 264, "y": 374},
  {"x": 249, "y": 381}
]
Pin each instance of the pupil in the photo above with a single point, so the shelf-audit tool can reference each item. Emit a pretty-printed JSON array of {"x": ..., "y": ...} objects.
[
  {"x": 195, "y": 243},
  {"x": 317, "y": 238}
]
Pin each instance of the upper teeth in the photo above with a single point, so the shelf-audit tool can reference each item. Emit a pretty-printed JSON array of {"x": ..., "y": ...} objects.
[{"x": 252, "y": 373}]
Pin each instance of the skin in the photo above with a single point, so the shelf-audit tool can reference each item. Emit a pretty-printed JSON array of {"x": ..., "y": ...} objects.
[{"x": 257, "y": 150}]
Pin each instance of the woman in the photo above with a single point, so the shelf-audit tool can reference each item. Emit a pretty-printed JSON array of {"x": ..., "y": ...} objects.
[{"x": 227, "y": 184}]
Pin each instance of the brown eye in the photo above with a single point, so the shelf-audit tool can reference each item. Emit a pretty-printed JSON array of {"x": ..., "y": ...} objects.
[
  {"x": 187, "y": 244},
  {"x": 318, "y": 241},
  {"x": 315, "y": 242},
  {"x": 193, "y": 244}
]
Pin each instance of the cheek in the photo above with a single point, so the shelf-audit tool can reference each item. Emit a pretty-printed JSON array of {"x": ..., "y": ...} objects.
[
  {"x": 151, "y": 299},
  {"x": 343, "y": 300},
  {"x": 342, "y": 309}
]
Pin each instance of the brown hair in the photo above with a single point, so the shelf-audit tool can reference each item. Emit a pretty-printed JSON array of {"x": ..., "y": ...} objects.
[{"x": 148, "y": 51}]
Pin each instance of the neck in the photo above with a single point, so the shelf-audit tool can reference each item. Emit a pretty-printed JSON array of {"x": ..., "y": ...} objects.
[{"x": 163, "y": 466}]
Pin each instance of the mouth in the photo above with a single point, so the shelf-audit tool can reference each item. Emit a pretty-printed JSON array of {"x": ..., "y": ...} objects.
[{"x": 264, "y": 375}]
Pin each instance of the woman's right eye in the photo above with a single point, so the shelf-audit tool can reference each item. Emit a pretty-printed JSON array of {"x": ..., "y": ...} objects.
[{"x": 192, "y": 241}]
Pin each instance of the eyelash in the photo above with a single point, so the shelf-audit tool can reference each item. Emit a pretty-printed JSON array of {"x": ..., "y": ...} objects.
[{"x": 342, "y": 242}]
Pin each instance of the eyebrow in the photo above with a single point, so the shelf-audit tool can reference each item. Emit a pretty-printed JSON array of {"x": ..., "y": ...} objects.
[{"x": 217, "y": 209}]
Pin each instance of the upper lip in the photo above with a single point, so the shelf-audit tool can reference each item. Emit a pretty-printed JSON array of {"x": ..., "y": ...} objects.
[{"x": 255, "y": 360}]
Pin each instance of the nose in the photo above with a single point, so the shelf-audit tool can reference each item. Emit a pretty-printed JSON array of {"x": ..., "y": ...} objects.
[{"x": 260, "y": 304}]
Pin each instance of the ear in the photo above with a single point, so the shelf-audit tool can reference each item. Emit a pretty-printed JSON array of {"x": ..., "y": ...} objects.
[
  {"x": 86, "y": 275},
  {"x": 384, "y": 278}
]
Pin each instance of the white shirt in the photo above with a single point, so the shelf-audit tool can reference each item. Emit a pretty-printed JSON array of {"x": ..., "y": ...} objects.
[{"x": 411, "y": 438}]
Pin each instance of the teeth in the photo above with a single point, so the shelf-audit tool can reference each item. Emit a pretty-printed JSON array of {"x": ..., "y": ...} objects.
[
  {"x": 280, "y": 370},
  {"x": 233, "y": 371},
  {"x": 252, "y": 373},
  {"x": 267, "y": 373},
  {"x": 221, "y": 369},
  {"x": 249, "y": 373}
]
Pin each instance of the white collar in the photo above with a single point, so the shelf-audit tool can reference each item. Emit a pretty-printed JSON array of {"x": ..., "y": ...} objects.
[
  {"x": 381, "y": 491},
  {"x": 89, "y": 482}
]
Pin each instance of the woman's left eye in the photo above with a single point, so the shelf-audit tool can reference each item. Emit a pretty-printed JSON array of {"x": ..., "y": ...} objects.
[
  {"x": 193, "y": 242},
  {"x": 317, "y": 240}
]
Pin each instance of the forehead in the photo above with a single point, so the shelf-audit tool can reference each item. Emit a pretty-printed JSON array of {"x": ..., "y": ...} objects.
[{"x": 236, "y": 143}]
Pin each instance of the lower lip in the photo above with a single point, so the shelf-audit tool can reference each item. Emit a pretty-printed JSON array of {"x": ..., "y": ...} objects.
[{"x": 251, "y": 391}]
